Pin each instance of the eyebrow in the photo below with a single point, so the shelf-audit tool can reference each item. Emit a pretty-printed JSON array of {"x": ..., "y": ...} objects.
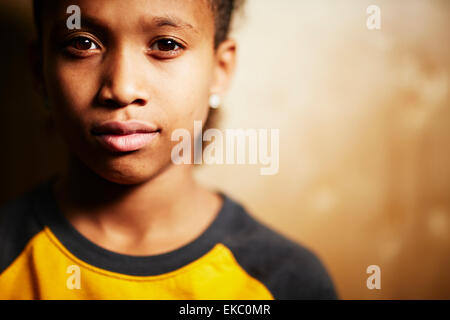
[
  {"x": 89, "y": 22},
  {"x": 167, "y": 21}
]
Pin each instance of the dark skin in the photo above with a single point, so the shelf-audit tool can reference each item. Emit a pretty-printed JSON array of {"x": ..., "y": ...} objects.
[{"x": 150, "y": 60}]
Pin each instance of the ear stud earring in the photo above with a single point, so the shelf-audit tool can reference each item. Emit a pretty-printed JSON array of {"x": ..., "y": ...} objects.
[{"x": 214, "y": 101}]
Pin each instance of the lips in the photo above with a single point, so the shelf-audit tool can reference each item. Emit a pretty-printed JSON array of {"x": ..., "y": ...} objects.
[{"x": 126, "y": 136}]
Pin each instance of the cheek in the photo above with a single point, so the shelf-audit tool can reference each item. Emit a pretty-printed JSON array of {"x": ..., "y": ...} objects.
[
  {"x": 188, "y": 91},
  {"x": 71, "y": 89},
  {"x": 73, "y": 85}
]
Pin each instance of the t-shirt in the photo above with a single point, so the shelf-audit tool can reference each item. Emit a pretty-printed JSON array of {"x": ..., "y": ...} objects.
[{"x": 42, "y": 256}]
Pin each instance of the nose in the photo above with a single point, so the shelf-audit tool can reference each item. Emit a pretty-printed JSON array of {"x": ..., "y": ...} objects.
[{"x": 123, "y": 82}]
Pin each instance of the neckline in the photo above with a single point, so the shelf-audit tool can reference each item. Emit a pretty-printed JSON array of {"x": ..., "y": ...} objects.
[{"x": 48, "y": 211}]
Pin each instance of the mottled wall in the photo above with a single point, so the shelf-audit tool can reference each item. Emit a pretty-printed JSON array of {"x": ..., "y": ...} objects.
[{"x": 364, "y": 121}]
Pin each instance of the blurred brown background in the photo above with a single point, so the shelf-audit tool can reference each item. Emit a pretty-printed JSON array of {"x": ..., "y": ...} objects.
[{"x": 364, "y": 119}]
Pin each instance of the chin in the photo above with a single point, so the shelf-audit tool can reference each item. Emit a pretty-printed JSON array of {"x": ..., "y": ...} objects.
[{"x": 129, "y": 171}]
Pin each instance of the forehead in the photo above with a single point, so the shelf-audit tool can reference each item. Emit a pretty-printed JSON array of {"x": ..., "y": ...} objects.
[{"x": 133, "y": 15}]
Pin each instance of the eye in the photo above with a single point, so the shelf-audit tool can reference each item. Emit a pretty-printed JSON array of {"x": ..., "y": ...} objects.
[
  {"x": 166, "y": 48},
  {"x": 83, "y": 44},
  {"x": 166, "y": 45}
]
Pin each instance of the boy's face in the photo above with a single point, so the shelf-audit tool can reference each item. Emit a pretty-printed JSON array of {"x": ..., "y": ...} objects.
[{"x": 147, "y": 60}]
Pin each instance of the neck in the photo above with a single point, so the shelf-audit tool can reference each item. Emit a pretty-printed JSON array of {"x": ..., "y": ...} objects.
[{"x": 153, "y": 209}]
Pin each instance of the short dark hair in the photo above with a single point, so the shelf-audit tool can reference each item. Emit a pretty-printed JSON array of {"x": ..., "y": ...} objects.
[{"x": 223, "y": 15}]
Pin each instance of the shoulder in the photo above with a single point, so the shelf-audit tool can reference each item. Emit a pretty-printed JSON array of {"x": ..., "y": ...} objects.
[
  {"x": 288, "y": 269},
  {"x": 18, "y": 224}
]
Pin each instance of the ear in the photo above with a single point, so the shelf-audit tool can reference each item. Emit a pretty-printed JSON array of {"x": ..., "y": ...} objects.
[
  {"x": 36, "y": 62},
  {"x": 225, "y": 64}
]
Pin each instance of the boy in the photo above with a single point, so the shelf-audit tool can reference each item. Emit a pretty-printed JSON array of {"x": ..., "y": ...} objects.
[{"x": 122, "y": 221}]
